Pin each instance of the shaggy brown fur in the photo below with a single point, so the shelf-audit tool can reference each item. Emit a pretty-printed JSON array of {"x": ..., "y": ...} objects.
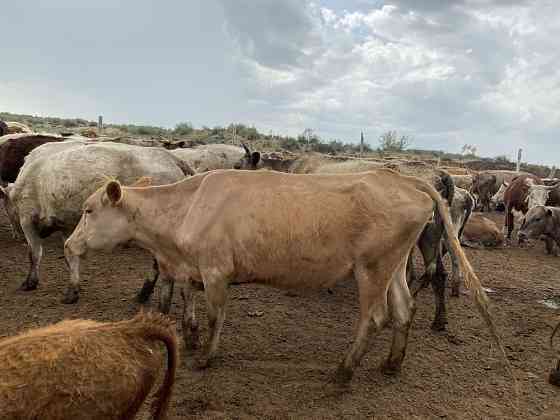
[
  {"x": 13, "y": 152},
  {"x": 82, "y": 369}
]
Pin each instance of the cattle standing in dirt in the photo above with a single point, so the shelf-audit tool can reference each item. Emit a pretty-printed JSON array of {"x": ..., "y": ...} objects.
[
  {"x": 218, "y": 156},
  {"x": 430, "y": 240},
  {"x": 227, "y": 224},
  {"x": 49, "y": 192},
  {"x": 87, "y": 370},
  {"x": 515, "y": 198},
  {"x": 487, "y": 183},
  {"x": 14, "y": 150},
  {"x": 542, "y": 221}
]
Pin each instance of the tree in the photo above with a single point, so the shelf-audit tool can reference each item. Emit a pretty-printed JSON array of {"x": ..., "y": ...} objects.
[
  {"x": 392, "y": 142},
  {"x": 469, "y": 150},
  {"x": 183, "y": 129}
]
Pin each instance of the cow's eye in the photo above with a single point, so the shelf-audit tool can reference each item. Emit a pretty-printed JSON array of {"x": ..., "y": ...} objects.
[
  {"x": 538, "y": 219},
  {"x": 88, "y": 211}
]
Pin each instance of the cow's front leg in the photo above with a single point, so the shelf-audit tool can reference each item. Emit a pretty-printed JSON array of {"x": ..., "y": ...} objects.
[
  {"x": 149, "y": 285},
  {"x": 215, "y": 288},
  {"x": 191, "y": 335},
  {"x": 166, "y": 293},
  {"x": 35, "y": 255}
]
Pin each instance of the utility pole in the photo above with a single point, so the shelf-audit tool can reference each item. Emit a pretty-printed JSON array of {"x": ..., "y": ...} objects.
[
  {"x": 519, "y": 152},
  {"x": 362, "y": 144},
  {"x": 100, "y": 124}
]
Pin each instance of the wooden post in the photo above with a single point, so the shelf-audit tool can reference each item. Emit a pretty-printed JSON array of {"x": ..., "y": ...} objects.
[
  {"x": 233, "y": 139},
  {"x": 100, "y": 124},
  {"x": 362, "y": 144},
  {"x": 519, "y": 152}
]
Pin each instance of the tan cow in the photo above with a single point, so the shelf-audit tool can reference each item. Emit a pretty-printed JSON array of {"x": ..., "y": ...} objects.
[
  {"x": 482, "y": 232},
  {"x": 87, "y": 370},
  {"x": 284, "y": 230}
]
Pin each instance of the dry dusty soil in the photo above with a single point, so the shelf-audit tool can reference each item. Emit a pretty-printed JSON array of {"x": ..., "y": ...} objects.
[{"x": 280, "y": 364}]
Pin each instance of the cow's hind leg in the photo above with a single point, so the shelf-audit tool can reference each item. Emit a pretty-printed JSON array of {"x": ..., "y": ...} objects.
[
  {"x": 402, "y": 309},
  {"x": 190, "y": 324},
  {"x": 439, "y": 280},
  {"x": 149, "y": 285},
  {"x": 215, "y": 289},
  {"x": 35, "y": 254},
  {"x": 372, "y": 287}
]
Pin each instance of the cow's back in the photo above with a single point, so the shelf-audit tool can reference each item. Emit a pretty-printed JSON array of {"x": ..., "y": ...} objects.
[
  {"x": 264, "y": 222},
  {"x": 54, "y": 183}
]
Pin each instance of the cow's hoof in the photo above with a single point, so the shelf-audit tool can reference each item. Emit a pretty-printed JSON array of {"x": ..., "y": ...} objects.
[
  {"x": 390, "y": 368},
  {"x": 71, "y": 296},
  {"x": 330, "y": 291},
  {"x": 29, "y": 285},
  {"x": 439, "y": 325},
  {"x": 554, "y": 377},
  {"x": 203, "y": 363},
  {"x": 146, "y": 293},
  {"x": 455, "y": 293},
  {"x": 343, "y": 375}
]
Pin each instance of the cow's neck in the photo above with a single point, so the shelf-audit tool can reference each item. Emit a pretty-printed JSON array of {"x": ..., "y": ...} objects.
[{"x": 156, "y": 213}]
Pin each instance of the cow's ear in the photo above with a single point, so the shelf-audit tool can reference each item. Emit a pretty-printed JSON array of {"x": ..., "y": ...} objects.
[
  {"x": 114, "y": 192},
  {"x": 3, "y": 193},
  {"x": 255, "y": 158},
  {"x": 548, "y": 212}
]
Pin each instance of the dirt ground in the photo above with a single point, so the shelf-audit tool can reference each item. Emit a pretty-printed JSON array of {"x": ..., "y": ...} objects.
[{"x": 280, "y": 364}]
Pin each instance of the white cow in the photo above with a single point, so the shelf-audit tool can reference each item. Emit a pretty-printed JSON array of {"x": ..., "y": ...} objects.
[{"x": 56, "y": 178}]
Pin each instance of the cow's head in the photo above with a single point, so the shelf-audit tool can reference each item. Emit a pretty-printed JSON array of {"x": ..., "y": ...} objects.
[
  {"x": 104, "y": 224},
  {"x": 7, "y": 197},
  {"x": 250, "y": 160},
  {"x": 537, "y": 222},
  {"x": 538, "y": 194},
  {"x": 498, "y": 198}
]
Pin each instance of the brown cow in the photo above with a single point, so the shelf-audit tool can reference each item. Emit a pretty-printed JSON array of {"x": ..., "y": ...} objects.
[
  {"x": 87, "y": 370},
  {"x": 284, "y": 230},
  {"x": 481, "y": 231},
  {"x": 542, "y": 221},
  {"x": 515, "y": 198},
  {"x": 14, "y": 150}
]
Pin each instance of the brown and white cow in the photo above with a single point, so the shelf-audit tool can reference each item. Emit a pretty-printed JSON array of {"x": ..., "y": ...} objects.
[
  {"x": 541, "y": 221},
  {"x": 87, "y": 370},
  {"x": 482, "y": 232},
  {"x": 284, "y": 230},
  {"x": 487, "y": 183},
  {"x": 515, "y": 198}
]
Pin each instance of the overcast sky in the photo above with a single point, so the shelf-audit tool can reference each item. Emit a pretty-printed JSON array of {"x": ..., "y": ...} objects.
[{"x": 447, "y": 73}]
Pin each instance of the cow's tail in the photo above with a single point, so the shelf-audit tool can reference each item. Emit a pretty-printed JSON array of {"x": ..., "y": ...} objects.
[
  {"x": 469, "y": 203},
  {"x": 158, "y": 327},
  {"x": 472, "y": 282},
  {"x": 553, "y": 334}
]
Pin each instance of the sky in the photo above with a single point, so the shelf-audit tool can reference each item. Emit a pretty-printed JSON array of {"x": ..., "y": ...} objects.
[{"x": 447, "y": 73}]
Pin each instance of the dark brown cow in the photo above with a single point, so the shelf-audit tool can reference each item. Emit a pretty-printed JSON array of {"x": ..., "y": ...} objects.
[
  {"x": 515, "y": 198},
  {"x": 14, "y": 150},
  {"x": 88, "y": 370},
  {"x": 3, "y": 128}
]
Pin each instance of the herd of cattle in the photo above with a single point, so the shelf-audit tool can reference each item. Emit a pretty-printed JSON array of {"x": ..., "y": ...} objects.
[{"x": 217, "y": 214}]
